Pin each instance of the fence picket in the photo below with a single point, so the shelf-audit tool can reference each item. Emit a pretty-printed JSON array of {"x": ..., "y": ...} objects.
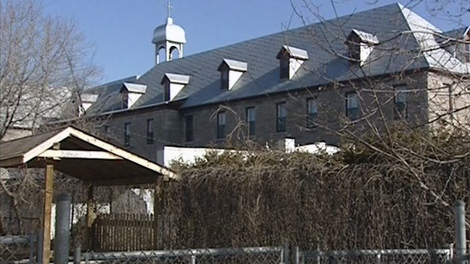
[{"x": 125, "y": 232}]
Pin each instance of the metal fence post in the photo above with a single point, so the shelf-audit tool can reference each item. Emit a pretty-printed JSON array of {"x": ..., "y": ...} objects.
[
  {"x": 460, "y": 237},
  {"x": 285, "y": 254},
  {"x": 62, "y": 228},
  {"x": 32, "y": 247},
  {"x": 77, "y": 255},
  {"x": 297, "y": 255}
]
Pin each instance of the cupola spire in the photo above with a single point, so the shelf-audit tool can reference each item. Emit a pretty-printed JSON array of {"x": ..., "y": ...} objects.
[{"x": 168, "y": 38}]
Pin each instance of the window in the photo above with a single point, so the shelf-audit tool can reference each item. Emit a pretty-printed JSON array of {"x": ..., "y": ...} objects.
[
  {"x": 401, "y": 106},
  {"x": 224, "y": 78},
  {"x": 355, "y": 51},
  {"x": 127, "y": 134},
  {"x": 221, "y": 125},
  {"x": 284, "y": 67},
  {"x": 352, "y": 106},
  {"x": 312, "y": 111},
  {"x": 188, "y": 122},
  {"x": 150, "y": 137},
  {"x": 281, "y": 114},
  {"x": 125, "y": 100},
  {"x": 250, "y": 119},
  {"x": 166, "y": 91}
]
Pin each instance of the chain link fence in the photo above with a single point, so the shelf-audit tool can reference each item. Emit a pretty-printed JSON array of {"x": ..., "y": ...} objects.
[
  {"x": 18, "y": 249},
  {"x": 192, "y": 256},
  {"x": 268, "y": 255},
  {"x": 397, "y": 256}
]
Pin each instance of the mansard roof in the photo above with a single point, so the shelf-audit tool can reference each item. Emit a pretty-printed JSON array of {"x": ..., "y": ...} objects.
[{"x": 393, "y": 26}]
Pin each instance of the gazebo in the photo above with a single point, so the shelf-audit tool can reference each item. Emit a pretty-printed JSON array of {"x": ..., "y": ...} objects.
[{"x": 87, "y": 158}]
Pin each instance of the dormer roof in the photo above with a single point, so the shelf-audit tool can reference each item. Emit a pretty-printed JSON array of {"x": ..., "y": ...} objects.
[
  {"x": 365, "y": 37},
  {"x": 133, "y": 88},
  {"x": 175, "y": 78},
  {"x": 295, "y": 53},
  {"x": 88, "y": 98},
  {"x": 234, "y": 65}
]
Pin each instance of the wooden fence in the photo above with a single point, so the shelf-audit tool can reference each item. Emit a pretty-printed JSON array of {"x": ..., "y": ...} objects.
[{"x": 123, "y": 232}]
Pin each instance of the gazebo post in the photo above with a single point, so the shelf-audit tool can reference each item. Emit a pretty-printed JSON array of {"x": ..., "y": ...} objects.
[
  {"x": 46, "y": 223},
  {"x": 157, "y": 210},
  {"x": 89, "y": 216}
]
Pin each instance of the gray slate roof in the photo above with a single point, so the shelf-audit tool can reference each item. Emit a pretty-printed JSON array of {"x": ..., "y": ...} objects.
[{"x": 392, "y": 25}]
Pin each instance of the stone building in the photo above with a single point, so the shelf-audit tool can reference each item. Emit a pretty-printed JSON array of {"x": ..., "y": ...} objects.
[{"x": 362, "y": 71}]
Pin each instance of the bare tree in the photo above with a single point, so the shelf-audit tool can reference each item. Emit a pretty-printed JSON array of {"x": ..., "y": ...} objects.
[
  {"x": 402, "y": 116},
  {"x": 44, "y": 62}
]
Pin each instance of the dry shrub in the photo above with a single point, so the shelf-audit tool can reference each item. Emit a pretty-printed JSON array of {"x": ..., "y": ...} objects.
[{"x": 359, "y": 198}]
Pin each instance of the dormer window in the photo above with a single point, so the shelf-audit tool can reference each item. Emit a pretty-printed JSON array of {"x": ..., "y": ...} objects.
[
  {"x": 224, "y": 78},
  {"x": 86, "y": 101},
  {"x": 166, "y": 91},
  {"x": 173, "y": 84},
  {"x": 290, "y": 60},
  {"x": 130, "y": 93},
  {"x": 360, "y": 45},
  {"x": 230, "y": 72},
  {"x": 124, "y": 99}
]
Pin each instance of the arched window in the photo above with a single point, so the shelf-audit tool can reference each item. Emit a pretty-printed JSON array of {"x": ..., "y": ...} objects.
[
  {"x": 161, "y": 56},
  {"x": 174, "y": 53}
]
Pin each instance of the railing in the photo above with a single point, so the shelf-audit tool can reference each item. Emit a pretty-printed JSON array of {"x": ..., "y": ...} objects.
[
  {"x": 18, "y": 249},
  {"x": 192, "y": 256},
  {"x": 402, "y": 256}
]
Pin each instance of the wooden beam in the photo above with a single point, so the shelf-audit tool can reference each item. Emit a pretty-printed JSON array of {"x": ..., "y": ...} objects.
[
  {"x": 125, "y": 181},
  {"x": 46, "y": 223},
  {"x": 79, "y": 154}
]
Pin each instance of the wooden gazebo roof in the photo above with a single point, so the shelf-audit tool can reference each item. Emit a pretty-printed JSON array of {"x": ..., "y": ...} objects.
[{"x": 82, "y": 156}]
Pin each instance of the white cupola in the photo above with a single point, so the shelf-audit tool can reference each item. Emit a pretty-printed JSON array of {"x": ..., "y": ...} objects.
[{"x": 170, "y": 38}]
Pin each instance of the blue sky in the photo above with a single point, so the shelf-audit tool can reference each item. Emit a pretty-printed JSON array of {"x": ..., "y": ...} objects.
[{"x": 121, "y": 30}]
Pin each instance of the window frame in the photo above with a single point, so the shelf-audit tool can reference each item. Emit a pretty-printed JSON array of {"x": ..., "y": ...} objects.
[
  {"x": 284, "y": 65},
  {"x": 250, "y": 117},
  {"x": 150, "y": 132},
  {"x": 224, "y": 78},
  {"x": 221, "y": 123},
  {"x": 189, "y": 128},
  {"x": 127, "y": 134},
  {"x": 125, "y": 100},
  {"x": 352, "y": 113},
  {"x": 166, "y": 91},
  {"x": 312, "y": 116},
  {"x": 281, "y": 117}
]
